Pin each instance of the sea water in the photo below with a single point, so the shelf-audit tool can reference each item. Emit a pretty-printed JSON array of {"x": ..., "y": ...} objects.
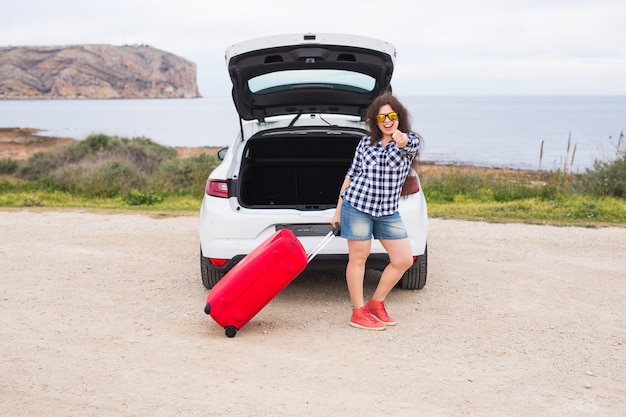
[{"x": 484, "y": 131}]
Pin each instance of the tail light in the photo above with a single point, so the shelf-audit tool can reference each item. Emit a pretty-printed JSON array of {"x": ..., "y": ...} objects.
[
  {"x": 218, "y": 262},
  {"x": 217, "y": 188},
  {"x": 411, "y": 185}
]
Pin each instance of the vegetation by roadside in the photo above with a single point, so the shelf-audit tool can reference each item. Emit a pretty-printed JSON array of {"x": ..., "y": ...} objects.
[
  {"x": 597, "y": 197},
  {"x": 107, "y": 172}
]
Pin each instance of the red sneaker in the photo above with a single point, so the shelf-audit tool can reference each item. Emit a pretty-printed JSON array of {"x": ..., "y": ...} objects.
[
  {"x": 363, "y": 319},
  {"x": 377, "y": 308}
]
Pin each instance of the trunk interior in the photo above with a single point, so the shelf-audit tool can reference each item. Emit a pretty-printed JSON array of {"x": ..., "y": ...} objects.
[{"x": 302, "y": 170}]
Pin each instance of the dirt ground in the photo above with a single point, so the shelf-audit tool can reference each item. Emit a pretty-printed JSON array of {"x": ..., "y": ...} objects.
[
  {"x": 21, "y": 143},
  {"x": 102, "y": 315}
]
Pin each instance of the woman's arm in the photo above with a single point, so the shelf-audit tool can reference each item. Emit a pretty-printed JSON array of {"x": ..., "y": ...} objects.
[{"x": 337, "y": 215}]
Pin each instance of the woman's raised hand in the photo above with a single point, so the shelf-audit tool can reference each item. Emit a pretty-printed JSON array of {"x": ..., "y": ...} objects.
[{"x": 400, "y": 138}]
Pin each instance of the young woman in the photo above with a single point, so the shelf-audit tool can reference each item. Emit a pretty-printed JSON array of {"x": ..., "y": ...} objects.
[{"x": 368, "y": 207}]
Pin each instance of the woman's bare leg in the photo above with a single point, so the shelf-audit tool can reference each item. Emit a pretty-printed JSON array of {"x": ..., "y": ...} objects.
[
  {"x": 400, "y": 259},
  {"x": 358, "y": 251}
]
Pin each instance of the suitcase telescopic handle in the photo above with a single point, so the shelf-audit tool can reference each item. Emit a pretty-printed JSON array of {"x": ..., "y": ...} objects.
[{"x": 336, "y": 231}]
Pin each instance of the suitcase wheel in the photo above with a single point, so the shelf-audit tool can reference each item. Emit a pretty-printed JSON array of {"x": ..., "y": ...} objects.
[
  {"x": 230, "y": 331},
  {"x": 207, "y": 308}
]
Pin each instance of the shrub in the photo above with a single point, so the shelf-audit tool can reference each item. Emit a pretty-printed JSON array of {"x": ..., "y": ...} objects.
[
  {"x": 141, "y": 153},
  {"x": 6, "y": 186},
  {"x": 97, "y": 142},
  {"x": 108, "y": 166},
  {"x": 188, "y": 174},
  {"x": 448, "y": 187},
  {"x": 606, "y": 179},
  {"x": 100, "y": 165},
  {"x": 8, "y": 166},
  {"x": 445, "y": 187},
  {"x": 37, "y": 166},
  {"x": 112, "y": 178},
  {"x": 137, "y": 198}
]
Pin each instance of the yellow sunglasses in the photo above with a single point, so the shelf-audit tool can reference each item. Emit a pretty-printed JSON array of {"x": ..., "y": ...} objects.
[{"x": 392, "y": 116}]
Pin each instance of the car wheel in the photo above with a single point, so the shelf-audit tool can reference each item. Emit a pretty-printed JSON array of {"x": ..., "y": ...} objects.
[
  {"x": 210, "y": 277},
  {"x": 415, "y": 277}
]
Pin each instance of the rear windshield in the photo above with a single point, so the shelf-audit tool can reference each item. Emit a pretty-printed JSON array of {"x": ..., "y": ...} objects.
[{"x": 313, "y": 78}]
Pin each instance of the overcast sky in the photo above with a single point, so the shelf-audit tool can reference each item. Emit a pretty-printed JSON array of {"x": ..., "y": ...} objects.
[{"x": 445, "y": 47}]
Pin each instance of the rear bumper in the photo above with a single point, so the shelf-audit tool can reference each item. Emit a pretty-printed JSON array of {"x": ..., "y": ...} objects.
[
  {"x": 227, "y": 230},
  {"x": 320, "y": 263}
]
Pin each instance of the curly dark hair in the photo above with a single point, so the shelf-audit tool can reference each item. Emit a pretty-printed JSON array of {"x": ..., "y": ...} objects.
[{"x": 404, "y": 119}]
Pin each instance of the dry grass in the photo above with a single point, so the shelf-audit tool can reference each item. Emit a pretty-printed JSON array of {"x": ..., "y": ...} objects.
[{"x": 530, "y": 177}]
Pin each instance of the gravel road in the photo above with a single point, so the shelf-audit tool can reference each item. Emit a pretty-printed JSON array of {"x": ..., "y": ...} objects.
[{"x": 102, "y": 315}]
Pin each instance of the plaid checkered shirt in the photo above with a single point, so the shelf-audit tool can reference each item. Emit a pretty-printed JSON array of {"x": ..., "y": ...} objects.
[{"x": 377, "y": 174}]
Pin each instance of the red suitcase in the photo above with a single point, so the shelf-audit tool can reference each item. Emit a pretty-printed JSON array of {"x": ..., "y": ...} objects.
[{"x": 257, "y": 279}]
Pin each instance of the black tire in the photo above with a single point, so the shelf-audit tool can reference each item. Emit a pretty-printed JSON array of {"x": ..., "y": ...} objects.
[
  {"x": 210, "y": 276},
  {"x": 230, "y": 331},
  {"x": 415, "y": 277},
  {"x": 207, "y": 309}
]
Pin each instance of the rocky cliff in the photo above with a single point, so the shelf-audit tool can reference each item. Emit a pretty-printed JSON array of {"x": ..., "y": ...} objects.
[{"x": 94, "y": 72}]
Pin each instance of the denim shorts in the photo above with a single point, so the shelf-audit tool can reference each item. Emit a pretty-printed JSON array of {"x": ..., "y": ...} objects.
[{"x": 357, "y": 225}]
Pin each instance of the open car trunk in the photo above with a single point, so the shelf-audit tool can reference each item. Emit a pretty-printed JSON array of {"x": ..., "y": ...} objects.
[{"x": 298, "y": 169}]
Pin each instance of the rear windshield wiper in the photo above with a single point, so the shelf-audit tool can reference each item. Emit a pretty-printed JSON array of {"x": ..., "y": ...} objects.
[{"x": 295, "y": 119}]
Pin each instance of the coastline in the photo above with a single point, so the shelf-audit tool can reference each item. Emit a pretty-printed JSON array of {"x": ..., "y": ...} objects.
[
  {"x": 462, "y": 130},
  {"x": 21, "y": 143}
]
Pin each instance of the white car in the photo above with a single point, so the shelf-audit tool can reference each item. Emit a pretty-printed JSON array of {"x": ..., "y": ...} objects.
[{"x": 302, "y": 100}]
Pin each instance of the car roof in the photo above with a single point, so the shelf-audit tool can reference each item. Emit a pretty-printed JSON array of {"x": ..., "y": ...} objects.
[{"x": 308, "y": 73}]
